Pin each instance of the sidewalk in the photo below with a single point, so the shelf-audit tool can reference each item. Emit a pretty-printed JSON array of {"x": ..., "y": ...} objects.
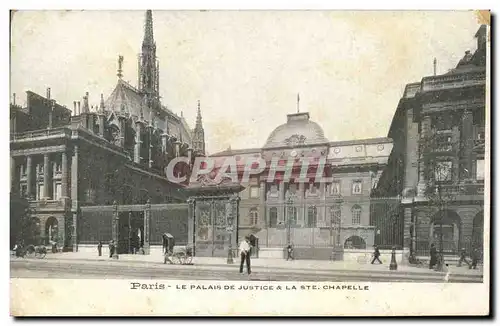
[{"x": 277, "y": 264}]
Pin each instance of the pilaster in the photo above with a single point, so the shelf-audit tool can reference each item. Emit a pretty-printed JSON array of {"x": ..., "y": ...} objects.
[
  {"x": 64, "y": 174},
  {"x": 147, "y": 228},
  {"x": 46, "y": 175},
  {"x": 29, "y": 176}
]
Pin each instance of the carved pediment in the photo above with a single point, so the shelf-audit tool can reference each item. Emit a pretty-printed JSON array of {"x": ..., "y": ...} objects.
[{"x": 295, "y": 139}]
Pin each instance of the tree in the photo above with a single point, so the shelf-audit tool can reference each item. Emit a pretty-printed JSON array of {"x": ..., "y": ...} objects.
[
  {"x": 23, "y": 221},
  {"x": 442, "y": 179}
]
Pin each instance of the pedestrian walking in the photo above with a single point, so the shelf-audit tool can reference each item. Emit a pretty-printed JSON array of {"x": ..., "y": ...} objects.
[
  {"x": 376, "y": 255},
  {"x": 475, "y": 258},
  {"x": 289, "y": 252},
  {"x": 433, "y": 256},
  {"x": 463, "y": 258},
  {"x": 99, "y": 248},
  {"x": 111, "y": 248},
  {"x": 245, "y": 254}
]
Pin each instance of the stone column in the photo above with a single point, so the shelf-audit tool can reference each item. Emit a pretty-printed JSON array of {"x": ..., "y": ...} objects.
[
  {"x": 122, "y": 131},
  {"x": 301, "y": 208},
  {"x": 422, "y": 182},
  {"x": 322, "y": 208},
  {"x": 14, "y": 175},
  {"x": 101, "y": 124},
  {"x": 191, "y": 217},
  {"x": 150, "y": 147},
  {"x": 46, "y": 176},
  {"x": 282, "y": 204},
  {"x": 64, "y": 174},
  {"x": 177, "y": 148},
  {"x": 74, "y": 196},
  {"x": 29, "y": 177},
  {"x": 164, "y": 138},
  {"x": 262, "y": 206},
  {"x": 467, "y": 137},
  {"x": 114, "y": 228},
  {"x": 138, "y": 142},
  {"x": 147, "y": 219}
]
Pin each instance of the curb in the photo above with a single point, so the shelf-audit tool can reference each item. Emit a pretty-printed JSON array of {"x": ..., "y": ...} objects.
[{"x": 353, "y": 271}]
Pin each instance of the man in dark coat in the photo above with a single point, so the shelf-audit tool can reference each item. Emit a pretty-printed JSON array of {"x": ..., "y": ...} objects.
[
  {"x": 99, "y": 248},
  {"x": 433, "y": 256},
  {"x": 475, "y": 258},
  {"x": 376, "y": 255},
  {"x": 111, "y": 248}
]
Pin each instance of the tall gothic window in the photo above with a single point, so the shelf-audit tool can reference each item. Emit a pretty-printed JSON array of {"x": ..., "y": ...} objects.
[
  {"x": 254, "y": 216},
  {"x": 273, "y": 217},
  {"x": 312, "y": 216},
  {"x": 356, "y": 215}
]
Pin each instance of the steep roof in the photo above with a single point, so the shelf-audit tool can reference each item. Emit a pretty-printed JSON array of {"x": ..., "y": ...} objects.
[{"x": 125, "y": 97}]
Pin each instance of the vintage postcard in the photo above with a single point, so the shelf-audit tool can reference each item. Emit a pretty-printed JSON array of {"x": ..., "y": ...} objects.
[{"x": 231, "y": 163}]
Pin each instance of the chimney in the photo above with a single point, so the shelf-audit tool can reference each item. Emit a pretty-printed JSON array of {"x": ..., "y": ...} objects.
[
  {"x": 74, "y": 107},
  {"x": 78, "y": 103},
  {"x": 14, "y": 99},
  {"x": 48, "y": 93},
  {"x": 435, "y": 66}
]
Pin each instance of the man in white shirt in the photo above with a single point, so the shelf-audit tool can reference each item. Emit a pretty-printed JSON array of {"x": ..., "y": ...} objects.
[{"x": 245, "y": 254}]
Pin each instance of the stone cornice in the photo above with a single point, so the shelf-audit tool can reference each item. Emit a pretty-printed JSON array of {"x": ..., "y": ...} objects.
[{"x": 38, "y": 150}]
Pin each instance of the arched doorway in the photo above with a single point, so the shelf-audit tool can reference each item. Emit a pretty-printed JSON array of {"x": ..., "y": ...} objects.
[
  {"x": 445, "y": 232},
  {"x": 51, "y": 230},
  {"x": 355, "y": 242},
  {"x": 477, "y": 231}
]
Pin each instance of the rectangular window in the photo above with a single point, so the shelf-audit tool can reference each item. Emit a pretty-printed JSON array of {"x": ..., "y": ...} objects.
[
  {"x": 57, "y": 191},
  {"x": 254, "y": 192},
  {"x": 442, "y": 171},
  {"x": 335, "y": 188},
  {"x": 480, "y": 169},
  {"x": 39, "y": 191},
  {"x": 357, "y": 187},
  {"x": 24, "y": 191}
]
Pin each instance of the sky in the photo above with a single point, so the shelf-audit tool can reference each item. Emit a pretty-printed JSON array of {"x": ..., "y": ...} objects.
[{"x": 245, "y": 67}]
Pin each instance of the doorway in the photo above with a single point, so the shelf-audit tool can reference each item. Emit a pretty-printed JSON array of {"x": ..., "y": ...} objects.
[{"x": 131, "y": 232}]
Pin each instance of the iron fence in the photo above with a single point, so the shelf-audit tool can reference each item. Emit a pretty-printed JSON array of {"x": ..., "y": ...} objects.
[{"x": 171, "y": 218}]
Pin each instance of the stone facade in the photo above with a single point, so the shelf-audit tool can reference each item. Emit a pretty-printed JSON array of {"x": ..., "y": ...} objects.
[
  {"x": 438, "y": 161},
  {"x": 98, "y": 155}
]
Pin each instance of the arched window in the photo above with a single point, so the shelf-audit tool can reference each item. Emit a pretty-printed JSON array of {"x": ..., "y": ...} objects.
[
  {"x": 356, "y": 215},
  {"x": 254, "y": 216},
  {"x": 355, "y": 242},
  {"x": 312, "y": 215},
  {"x": 51, "y": 230},
  {"x": 273, "y": 217}
]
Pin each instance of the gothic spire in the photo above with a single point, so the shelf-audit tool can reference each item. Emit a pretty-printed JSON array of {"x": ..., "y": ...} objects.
[
  {"x": 198, "y": 117},
  {"x": 148, "y": 68},
  {"x": 148, "y": 30}
]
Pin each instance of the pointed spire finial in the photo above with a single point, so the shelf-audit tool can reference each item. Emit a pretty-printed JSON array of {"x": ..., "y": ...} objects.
[
  {"x": 198, "y": 117},
  {"x": 435, "y": 66},
  {"x": 101, "y": 105},
  {"x": 298, "y": 102},
  {"x": 148, "y": 29},
  {"x": 120, "y": 67}
]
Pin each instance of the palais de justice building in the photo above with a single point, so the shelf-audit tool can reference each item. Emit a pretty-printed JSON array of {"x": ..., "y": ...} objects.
[{"x": 313, "y": 216}]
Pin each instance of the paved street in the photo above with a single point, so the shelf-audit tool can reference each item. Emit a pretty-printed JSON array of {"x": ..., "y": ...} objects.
[{"x": 60, "y": 268}]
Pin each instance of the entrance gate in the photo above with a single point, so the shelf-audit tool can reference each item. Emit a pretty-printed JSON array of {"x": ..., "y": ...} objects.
[
  {"x": 132, "y": 227},
  {"x": 215, "y": 224}
]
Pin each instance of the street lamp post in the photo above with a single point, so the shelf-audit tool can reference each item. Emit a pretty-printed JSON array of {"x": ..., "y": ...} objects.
[{"x": 288, "y": 221}]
